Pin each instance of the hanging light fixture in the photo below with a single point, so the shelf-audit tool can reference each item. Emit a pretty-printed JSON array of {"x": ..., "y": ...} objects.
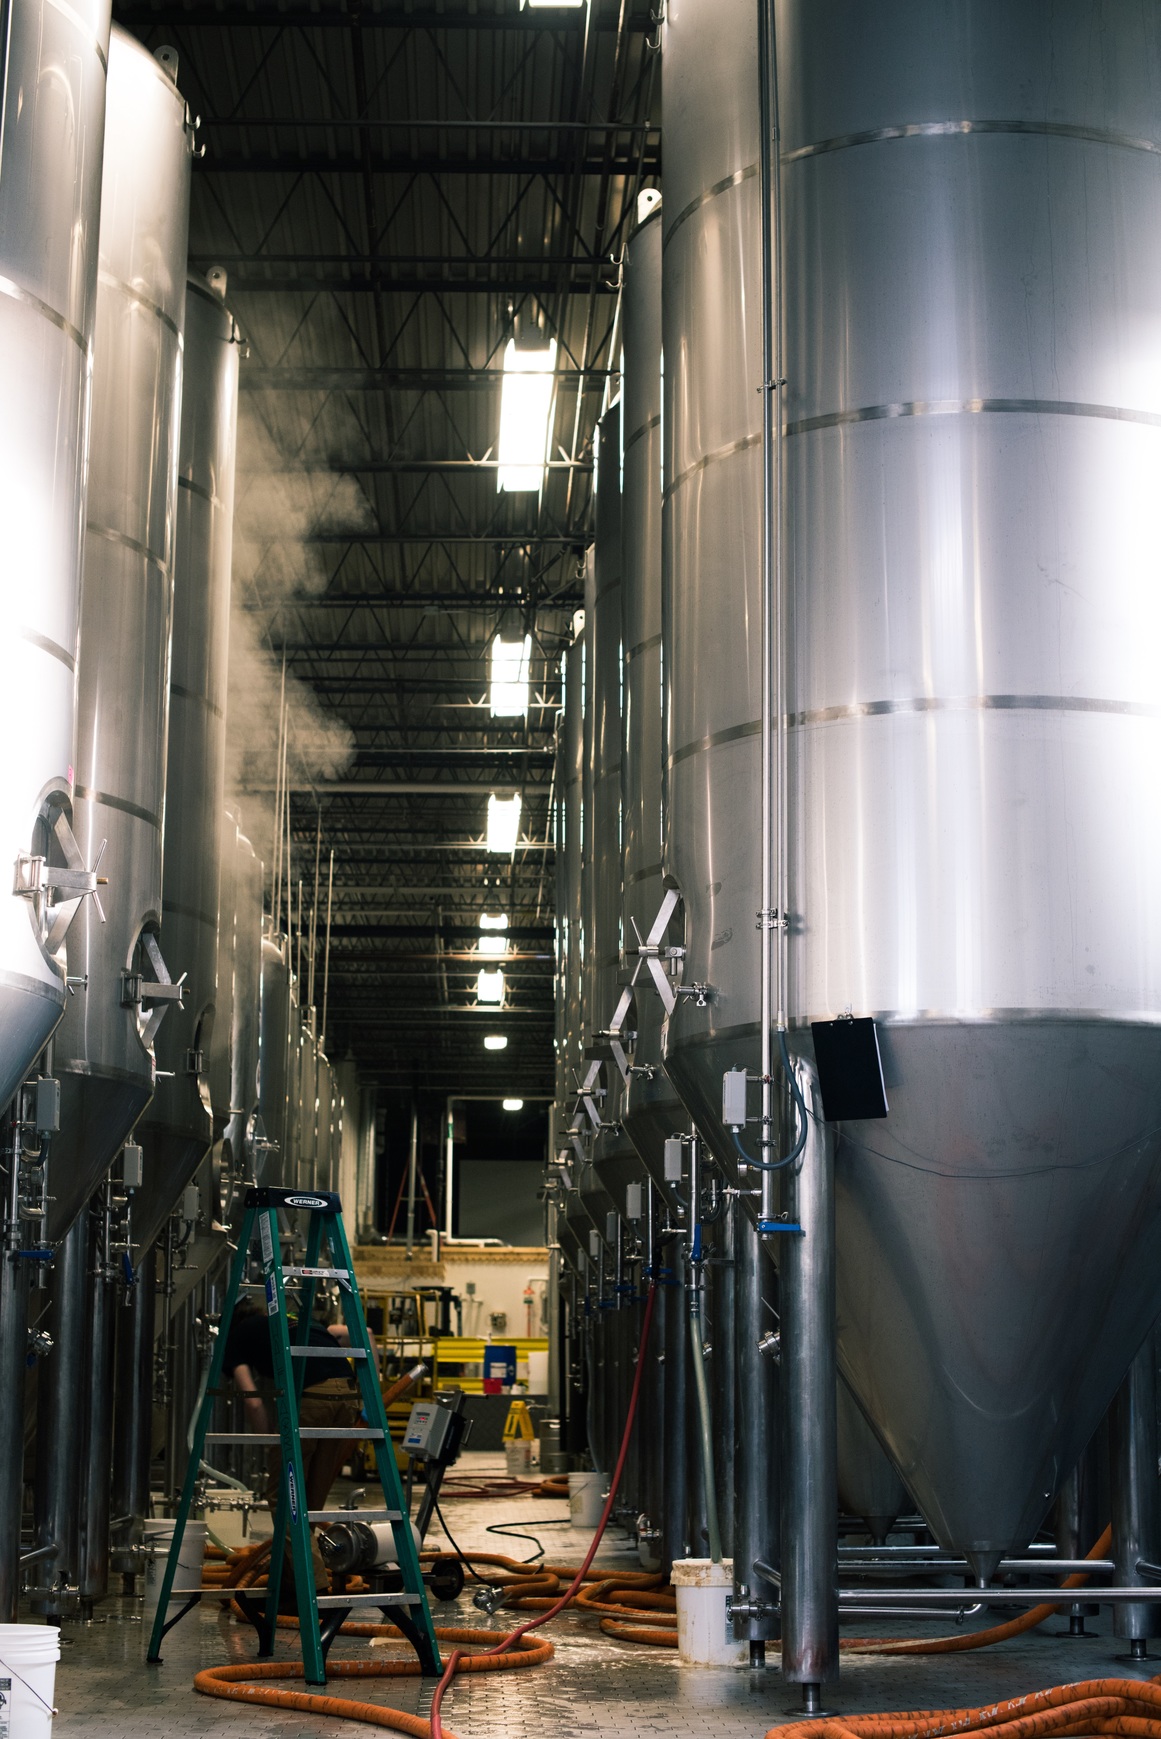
[
  {"x": 508, "y": 664},
  {"x": 503, "y": 824},
  {"x": 525, "y": 415}
]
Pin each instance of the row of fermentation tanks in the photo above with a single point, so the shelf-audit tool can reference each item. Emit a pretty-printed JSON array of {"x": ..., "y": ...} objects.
[
  {"x": 868, "y": 688},
  {"x": 154, "y": 1056}
]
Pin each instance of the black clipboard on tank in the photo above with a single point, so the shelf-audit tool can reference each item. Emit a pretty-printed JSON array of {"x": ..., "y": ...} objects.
[{"x": 850, "y": 1069}]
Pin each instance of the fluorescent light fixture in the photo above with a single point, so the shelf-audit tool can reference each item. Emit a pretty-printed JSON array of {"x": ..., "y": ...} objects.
[
  {"x": 513, "y": 1104},
  {"x": 508, "y": 663},
  {"x": 552, "y": 5},
  {"x": 525, "y": 415},
  {"x": 503, "y": 823},
  {"x": 495, "y": 1042},
  {"x": 490, "y": 985}
]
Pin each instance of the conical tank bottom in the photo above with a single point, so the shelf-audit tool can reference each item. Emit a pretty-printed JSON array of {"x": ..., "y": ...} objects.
[
  {"x": 868, "y": 1485},
  {"x": 97, "y": 1113},
  {"x": 595, "y": 1199},
  {"x": 170, "y": 1158},
  {"x": 996, "y": 1258}
]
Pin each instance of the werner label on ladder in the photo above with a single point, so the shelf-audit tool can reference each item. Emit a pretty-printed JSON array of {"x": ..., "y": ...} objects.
[{"x": 409, "y": 1608}]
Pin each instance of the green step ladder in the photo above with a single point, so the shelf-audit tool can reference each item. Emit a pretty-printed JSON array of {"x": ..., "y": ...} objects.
[{"x": 410, "y": 1610}]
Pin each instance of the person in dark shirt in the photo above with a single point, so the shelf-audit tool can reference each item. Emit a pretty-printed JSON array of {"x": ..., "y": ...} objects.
[{"x": 329, "y": 1398}]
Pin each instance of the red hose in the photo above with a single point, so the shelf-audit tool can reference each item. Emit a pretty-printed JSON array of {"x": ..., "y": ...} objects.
[{"x": 558, "y": 1606}]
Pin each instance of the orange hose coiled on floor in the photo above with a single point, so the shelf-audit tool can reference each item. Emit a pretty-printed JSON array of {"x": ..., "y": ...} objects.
[
  {"x": 235, "y": 1681},
  {"x": 1125, "y": 1706}
]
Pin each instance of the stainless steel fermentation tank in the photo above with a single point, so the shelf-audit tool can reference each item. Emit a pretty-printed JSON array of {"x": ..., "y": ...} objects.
[
  {"x": 52, "y": 118},
  {"x": 971, "y": 446},
  {"x": 103, "y": 1051},
  {"x": 51, "y": 127},
  {"x": 177, "y": 1130},
  {"x": 971, "y": 204}
]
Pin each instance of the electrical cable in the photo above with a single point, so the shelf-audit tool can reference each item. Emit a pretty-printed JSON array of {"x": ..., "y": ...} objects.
[
  {"x": 516, "y": 1636},
  {"x": 803, "y": 1119},
  {"x": 502, "y": 1528},
  {"x": 464, "y": 1560}
]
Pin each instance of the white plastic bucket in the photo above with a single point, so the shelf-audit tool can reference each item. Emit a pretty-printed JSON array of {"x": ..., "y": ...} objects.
[
  {"x": 28, "y": 1657},
  {"x": 518, "y": 1455},
  {"x": 705, "y": 1635},
  {"x": 158, "y": 1539},
  {"x": 586, "y": 1499}
]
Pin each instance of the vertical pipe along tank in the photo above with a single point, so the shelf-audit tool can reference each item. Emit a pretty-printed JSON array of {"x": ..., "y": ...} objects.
[
  {"x": 104, "y": 1049},
  {"x": 52, "y": 117},
  {"x": 177, "y": 1129},
  {"x": 972, "y": 246},
  {"x": 651, "y": 1110}
]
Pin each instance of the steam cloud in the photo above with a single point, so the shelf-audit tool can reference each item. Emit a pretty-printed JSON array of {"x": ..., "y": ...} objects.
[{"x": 274, "y": 515}]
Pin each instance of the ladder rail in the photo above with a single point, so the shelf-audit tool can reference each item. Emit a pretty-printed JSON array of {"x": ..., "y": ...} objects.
[{"x": 367, "y": 1377}]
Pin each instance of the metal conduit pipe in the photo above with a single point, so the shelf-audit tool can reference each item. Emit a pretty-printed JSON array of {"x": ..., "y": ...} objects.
[
  {"x": 674, "y": 1536},
  {"x": 133, "y": 1417},
  {"x": 756, "y": 1460},
  {"x": 60, "y": 1418},
  {"x": 93, "y": 1565},
  {"x": 14, "y": 1286},
  {"x": 810, "y": 1654},
  {"x": 704, "y": 1421},
  {"x": 1135, "y": 1493}
]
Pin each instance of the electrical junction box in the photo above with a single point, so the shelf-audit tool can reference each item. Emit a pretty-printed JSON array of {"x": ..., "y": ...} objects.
[
  {"x": 634, "y": 1202},
  {"x": 734, "y": 1098},
  {"x": 191, "y": 1202},
  {"x": 673, "y": 1159},
  {"x": 132, "y": 1166},
  {"x": 47, "y": 1105},
  {"x": 427, "y": 1431}
]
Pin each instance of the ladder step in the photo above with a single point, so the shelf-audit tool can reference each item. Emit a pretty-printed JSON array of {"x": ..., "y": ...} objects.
[
  {"x": 318, "y": 1273},
  {"x": 370, "y": 1600},
  {"x": 354, "y": 1515},
  {"x": 335, "y": 1352},
  {"x": 333, "y": 1433}
]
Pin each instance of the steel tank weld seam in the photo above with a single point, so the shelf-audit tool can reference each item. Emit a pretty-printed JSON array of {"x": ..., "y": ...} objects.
[
  {"x": 46, "y": 645},
  {"x": 954, "y": 129},
  {"x": 121, "y": 803},
  {"x": 85, "y": 29},
  {"x": 195, "y": 699},
  {"x": 131, "y": 544},
  {"x": 973, "y": 703},
  {"x": 142, "y": 301},
  {"x": 708, "y": 459},
  {"x": 640, "y": 432},
  {"x": 19, "y": 294},
  {"x": 714, "y": 192},
  {"x": 952, "y": 408}
]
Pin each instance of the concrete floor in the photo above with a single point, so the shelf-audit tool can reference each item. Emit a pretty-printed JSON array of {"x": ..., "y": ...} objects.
[{"x": 593, "y": 1688}]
